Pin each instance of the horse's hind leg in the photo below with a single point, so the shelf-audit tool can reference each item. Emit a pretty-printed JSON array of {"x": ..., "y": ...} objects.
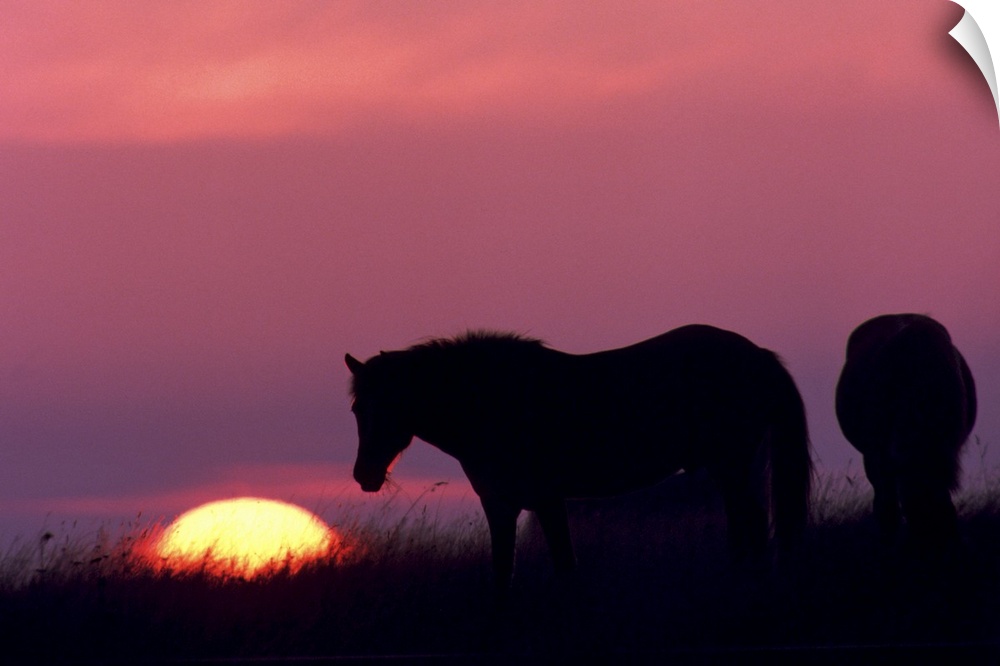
[
  {"x": 880, "y": 474},
  {"x": 932, "y": 520},
  {"x": 927, "y": 506},
  {"x": 746, "y": 518},
  {"x": 928, "y": 471},
  {"x": 742, "y": 478},
  {"x": 746, "y": 512},
  {"x": 555, "y": 527}
]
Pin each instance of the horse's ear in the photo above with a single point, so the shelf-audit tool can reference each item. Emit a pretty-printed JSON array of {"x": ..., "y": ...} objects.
[{"x": 353, "y": 364}]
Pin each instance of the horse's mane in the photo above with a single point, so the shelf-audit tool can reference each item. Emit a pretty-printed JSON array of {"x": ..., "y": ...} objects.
[
  {"x": 479, "y": 342},
  {"x": 478, "y": 339}
]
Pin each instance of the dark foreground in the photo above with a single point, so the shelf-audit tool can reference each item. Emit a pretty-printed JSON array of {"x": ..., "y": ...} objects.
[{"x": 654, "y": 586}]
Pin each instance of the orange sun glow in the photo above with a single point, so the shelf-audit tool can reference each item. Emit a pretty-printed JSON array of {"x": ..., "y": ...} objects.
[{"x": 244, "y": 537}]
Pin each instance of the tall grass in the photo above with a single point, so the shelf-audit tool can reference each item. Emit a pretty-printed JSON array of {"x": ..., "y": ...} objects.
[{"x": 654, "y": 579}]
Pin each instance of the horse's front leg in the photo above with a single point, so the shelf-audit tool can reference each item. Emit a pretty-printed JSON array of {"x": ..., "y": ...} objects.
[
  {"x": 555, "y": 527},
  {"x": 501, "y": 515}
]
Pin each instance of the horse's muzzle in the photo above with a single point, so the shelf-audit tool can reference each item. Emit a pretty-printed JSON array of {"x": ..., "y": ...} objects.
[{"x": 370, "y": 480}]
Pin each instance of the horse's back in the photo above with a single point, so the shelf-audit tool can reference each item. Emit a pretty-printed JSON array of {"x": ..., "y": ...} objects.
[
  {"x": 696, "y": 348},
  {"x": 903, "y": 376},
  {"x": 636, "y": 414},
  {"x": 692, "y": 336},
  {"x": 690, "y": 361},
  {"x": 697, "y": 397}
]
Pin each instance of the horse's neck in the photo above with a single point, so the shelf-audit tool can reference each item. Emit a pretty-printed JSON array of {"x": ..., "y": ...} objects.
[
  {"x": 431, "y": 395},
  {"x": 453, "y": 397}
]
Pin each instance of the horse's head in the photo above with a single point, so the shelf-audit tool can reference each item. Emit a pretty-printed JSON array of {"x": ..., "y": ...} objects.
[{"x": 381, "y": 412}]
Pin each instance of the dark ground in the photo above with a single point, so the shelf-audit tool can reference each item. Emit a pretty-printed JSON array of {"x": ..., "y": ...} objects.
[{"x": 654, "y": 585}]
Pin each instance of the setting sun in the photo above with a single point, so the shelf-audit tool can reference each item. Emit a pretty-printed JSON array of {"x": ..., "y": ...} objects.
[{"x": 246, "y": 536}]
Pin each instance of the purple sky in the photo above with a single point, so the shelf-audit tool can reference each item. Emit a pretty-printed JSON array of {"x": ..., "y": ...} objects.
[{"x": 204, "y": 205}]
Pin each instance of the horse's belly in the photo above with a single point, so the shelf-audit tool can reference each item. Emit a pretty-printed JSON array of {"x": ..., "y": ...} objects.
[{"x": 614, "y": 475}]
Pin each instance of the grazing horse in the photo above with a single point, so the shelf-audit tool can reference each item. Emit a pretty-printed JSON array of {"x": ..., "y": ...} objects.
[
  {"x": 907, "y": 402},
  {"x": 532, "y": 426}
]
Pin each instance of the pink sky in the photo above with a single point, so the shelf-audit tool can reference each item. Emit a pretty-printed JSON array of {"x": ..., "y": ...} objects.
[
  {"x": 117, "y": 71},
  {"x": 205, "y": 204}
]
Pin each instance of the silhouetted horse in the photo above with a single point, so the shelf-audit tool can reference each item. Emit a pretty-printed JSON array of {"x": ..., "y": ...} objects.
[
  {"x": 532, "y": 426},
  {"x": 906, "y": 400}
]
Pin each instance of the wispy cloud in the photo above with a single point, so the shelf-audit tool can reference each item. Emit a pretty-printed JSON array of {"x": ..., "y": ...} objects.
[{"x": 119, "y": 71}]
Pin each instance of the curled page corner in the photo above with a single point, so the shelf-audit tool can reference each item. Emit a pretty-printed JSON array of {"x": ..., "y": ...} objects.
[{"x": 979, "y": 33}]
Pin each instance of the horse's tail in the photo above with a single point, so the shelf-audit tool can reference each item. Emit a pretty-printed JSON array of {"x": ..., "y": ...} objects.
[{"x": 789, "y": 456}]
